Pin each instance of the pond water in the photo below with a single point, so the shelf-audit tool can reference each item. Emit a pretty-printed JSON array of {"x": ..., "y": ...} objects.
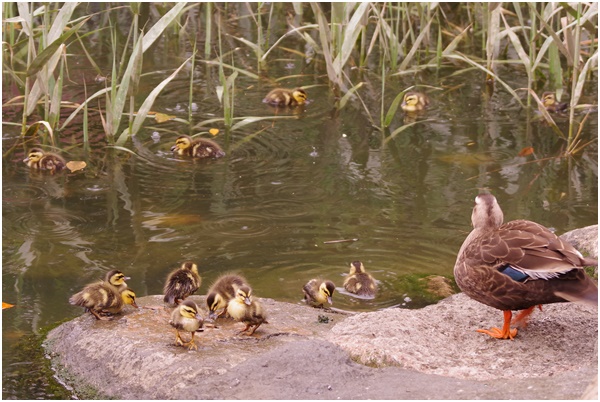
[{"x": 285, "y": 187}]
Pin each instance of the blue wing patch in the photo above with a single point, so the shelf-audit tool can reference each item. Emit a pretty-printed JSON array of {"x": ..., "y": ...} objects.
[{"x": 514, "y": 274}]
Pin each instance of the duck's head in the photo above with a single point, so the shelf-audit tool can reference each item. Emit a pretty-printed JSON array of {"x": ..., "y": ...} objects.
[
  {"x": 215, "y": 302},
  {"x": 326, "y": 289},
  {"x": 243, "y": 294},
  {"x": 189, "y": 309},
  {"x": 116, "y": 278},
  {"x": 189, "y": 265},
  {"x": 549, "y": 99},
  {"x": 128, "y": 297},
  {"x": 299, "y": 95},
  {"x": 486, "y": 212},
  {"x": 414, "y": 101},
  {"x": 357, "y": 267},
  {"x": 182, "y": 142},
  {"x": 34, "y": 155}
]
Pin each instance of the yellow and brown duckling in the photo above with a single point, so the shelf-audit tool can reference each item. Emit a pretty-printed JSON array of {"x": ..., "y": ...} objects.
[
  {"x": 414, "y": 102},
  {"x": 244, "y": 308},
  {"x": 317, "y": 292},
  {"x": 186, "y": 317},
  {"x": 106, "y": 297},
  {"x": 181, "y": 283},
  {"x": 286, "y": 97},
  {"x": 519, "y": 265},
  {"x": 39, "y": 160},
  {"x": 359, "y": 281},
  {"x": 201, "y": 148},
  {"x": 551, "y": 104},
  {"x": 221, "y": 292}
]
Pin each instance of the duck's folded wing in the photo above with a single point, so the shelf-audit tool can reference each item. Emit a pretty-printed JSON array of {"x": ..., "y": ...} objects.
[{"x": 532, "y": 249}]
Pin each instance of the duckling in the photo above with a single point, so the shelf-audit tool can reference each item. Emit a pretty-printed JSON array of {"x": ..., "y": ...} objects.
[
  {"x": 39, "y": 160},
  {"x": 414, "y": 102},
  {"x": 286, "y": 97},
  {"x": 197, "y": 148},
  {"x": 244, "y": 309},
  {"x": 105, "y": 297},
  {"x": 221, "y": 292},
  {"x": 182, "y": 283},
  {"x": 551, "y": 104},
  {"x": 318, "y": 291},
  {"x": 359, "y": 281},
  {"x": 186, "y": 317}
]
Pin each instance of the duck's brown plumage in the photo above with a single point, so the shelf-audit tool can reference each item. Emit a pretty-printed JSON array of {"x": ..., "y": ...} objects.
[
  {"x": 518, "y": 265},
  {"x": 39, "y": 160},
  {"x": 181, "y": 283},
  {"x": 244, "y": 308},
  {"x": 414, "y": 102},
  {"x": 186, "y": 317},
  {"x": 359, "y": 281},
  {"x": 221, "y": 292},
  {"x": 286, "y": 97},
  {"x": 200, "y": 148},
  {"x": 317, "y": 292}
]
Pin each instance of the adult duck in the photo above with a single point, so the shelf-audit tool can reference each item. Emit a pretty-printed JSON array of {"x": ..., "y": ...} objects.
[{"x": 519, "y": 265}]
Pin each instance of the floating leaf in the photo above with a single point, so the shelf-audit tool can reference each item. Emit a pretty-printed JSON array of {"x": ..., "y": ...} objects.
[
  {"x": 214, "y": 131},
  {"x": 162, "y": 117},
  {"x": 6, "y": 305},
  {"x": 526, "y": 151},
  {"x": 74, "y": 166}
]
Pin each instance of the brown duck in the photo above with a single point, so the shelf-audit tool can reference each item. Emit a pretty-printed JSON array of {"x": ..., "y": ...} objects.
[
  {"x": 551, "y": 104},
  {"x": 519, "y": 265}
]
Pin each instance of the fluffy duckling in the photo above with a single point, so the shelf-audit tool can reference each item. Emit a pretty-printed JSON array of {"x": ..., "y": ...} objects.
[
  {"x": 201, "y": 148},
  {"x": 39, "y": 160},
  {"x": 286, "y": 97},
  {"x": 221, "y": 292},
  {"x": 317, "y": 292},
  {"x": 186, "y": 317},
  {"x": 551, "y": 104},
  {"x": 106, "y": 297},
  {"x": 181, "y": 283},
  {"x": 244, "y": 309},
  {"x": 359, "y": 281},
  {"x": 414, "y": 102}
]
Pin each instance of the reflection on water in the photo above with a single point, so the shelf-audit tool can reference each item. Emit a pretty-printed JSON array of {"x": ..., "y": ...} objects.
[{"x": 285, "y": 188}]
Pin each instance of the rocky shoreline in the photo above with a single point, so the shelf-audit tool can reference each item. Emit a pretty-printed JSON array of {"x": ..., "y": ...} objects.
[{"x": 306, "y": 353}]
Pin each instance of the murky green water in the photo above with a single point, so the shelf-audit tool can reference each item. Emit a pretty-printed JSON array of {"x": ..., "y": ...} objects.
[{"x": 284, "y": 189}]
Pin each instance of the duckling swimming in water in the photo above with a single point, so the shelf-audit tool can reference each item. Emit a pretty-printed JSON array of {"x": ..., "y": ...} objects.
[
  {"x": 551, "y": 104},
  {"x": 317, "y": 292},
  {"x": 221, "y": 292},
  {"x": 244, "y": 309},
  {"x": 39, "y": 160},
  {"x": 106, "y": 297},
  {"x": 414, "y": 102},
  {"x": 186, "y": 317},
  {"x": 181, "y": 283},
  {"x": 359, "y": 281},
  {"x": 286, "y": 97},
  {"x": 200, "y": 148}
]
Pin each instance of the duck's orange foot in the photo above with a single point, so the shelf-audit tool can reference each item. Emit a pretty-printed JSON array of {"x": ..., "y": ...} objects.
[{"x": 499, "y": 333}]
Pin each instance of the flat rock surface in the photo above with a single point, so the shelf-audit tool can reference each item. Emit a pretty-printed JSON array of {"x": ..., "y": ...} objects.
[{"x": 430, "y": 353}]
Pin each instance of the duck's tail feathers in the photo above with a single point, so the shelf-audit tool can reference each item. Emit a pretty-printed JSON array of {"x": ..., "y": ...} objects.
[{"x": 589, "y": 298}]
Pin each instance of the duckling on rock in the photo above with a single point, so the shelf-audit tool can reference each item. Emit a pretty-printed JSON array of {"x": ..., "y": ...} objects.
[
  {"x": 317, "y": 292},
  {"x": 551, "y": 104},
  {"x": 105, "y": 297},
  {"x": 181, "y": 283},
  {"x": 244, "y": 309},
  {"x": 186, "y": 317},
  {"x": 200, "y": 148},
  {"x": 359, "y": 281},
  {"x": 519, "y": 265},
  {"x": 414, "y": 102},
  {"x": 221, "y": 292},
  {"x": 286, "y": 97},
  {"x": 39, "y": 160}
]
